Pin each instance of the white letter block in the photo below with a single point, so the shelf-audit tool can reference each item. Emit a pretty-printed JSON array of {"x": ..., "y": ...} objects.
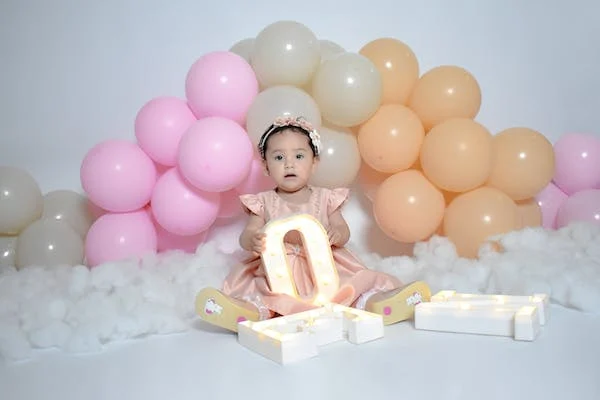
[
  {"x": 298, "y": 336},
  {"x": 519, "y": 322},
  {"x": 541, "y": 301}
]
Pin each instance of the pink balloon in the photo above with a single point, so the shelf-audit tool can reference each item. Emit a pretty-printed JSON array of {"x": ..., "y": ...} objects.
[
  {"x": 118, "y": 176},
  {"x": 182, "y": 209},
  {"x": 550, "y": 199},
  {"x": 221, "y": 84},
  {"x": 169, "y": 241},
  {"x": 159, "y": 126},
  {"x": 256, "y": 181},
  {"x": 583, "y": 206},
  {"x": 160, "y": 170},
  {"x": 117, "y": 237},
  {"x": 231, "y": 206},
  {"x": 577, "y": 160},
  {"x": 215, "y": 154}
]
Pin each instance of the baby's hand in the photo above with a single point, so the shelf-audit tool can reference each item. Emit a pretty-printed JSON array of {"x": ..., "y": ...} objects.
[{"x": 258, "y": 242}]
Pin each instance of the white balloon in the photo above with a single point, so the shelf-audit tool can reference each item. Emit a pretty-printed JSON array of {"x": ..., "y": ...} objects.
[
  {"x": 20, "y": 200},
  {"x": 330, "y": 49},
  {"x": 243, "y": 48},
  {"x": 285, "y": 53},
  {"x": 348, "y": 89},
  {"x": 280, "y": 101},
  {"x": 71, "y": 207},
  {"x": 339, "y": 162}
]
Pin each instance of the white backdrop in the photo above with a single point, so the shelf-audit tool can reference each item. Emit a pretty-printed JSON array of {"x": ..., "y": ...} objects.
[{"x": 75, "y": 72}]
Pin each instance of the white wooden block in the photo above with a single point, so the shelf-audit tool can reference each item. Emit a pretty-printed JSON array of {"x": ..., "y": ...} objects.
[
  {"x": 482, "y": 319},
  {"x": 527, "y": 323},
  {"x": 541, "y": 301},
  {"x": 297, "y": 337}
]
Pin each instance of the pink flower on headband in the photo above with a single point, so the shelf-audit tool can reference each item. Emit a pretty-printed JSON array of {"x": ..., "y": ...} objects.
[{"x": 299, "y": 122}]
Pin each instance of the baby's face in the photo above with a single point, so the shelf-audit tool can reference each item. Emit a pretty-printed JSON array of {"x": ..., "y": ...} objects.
[{"x": 290, "y": 160}]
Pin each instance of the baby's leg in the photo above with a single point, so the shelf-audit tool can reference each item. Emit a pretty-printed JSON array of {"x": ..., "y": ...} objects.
[
  {"x": 398, "y": 304},
  {"x": 218, "y": 309}
]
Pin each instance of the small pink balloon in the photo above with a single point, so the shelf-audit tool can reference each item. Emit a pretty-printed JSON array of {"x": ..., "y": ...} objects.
[
  {"x": 231, "y": 206},
  {"x": 221, "y": 84},
  {"x": 577, "y": 160},
  {"x": 118, "y": 176},
  {"x": 159, "y": 126},
  {"x": 169, "y": 241},
  {"x": 182, "y": 209},
  {"x": 256, "y": 181},
  {"x": 550, "y": 199},
  {"x": 215, "y": 154},
  {"x": 583, "y": 206},
  {"x": 118, "y": 237}
]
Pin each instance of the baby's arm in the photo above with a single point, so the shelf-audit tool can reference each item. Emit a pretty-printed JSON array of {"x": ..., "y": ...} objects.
[
  {"x": 339, "y": 232},
  {"x": 252, "y": 239}
]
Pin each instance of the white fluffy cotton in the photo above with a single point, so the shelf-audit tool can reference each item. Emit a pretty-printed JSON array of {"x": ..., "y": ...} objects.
[{"x": 79, "y": 310}]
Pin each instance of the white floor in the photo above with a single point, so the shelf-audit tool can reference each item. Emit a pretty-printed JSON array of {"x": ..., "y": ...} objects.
[{"x": 563, "y": 363}]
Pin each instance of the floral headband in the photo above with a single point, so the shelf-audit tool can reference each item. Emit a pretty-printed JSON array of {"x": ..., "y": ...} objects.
[{"x": 298, "y": 122}]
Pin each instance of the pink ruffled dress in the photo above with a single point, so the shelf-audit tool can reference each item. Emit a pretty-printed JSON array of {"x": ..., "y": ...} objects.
[{"x": 248, "y": 281}]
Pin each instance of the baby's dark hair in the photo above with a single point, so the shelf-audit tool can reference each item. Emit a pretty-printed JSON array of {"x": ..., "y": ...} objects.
[{"x": 299, "y": 125}]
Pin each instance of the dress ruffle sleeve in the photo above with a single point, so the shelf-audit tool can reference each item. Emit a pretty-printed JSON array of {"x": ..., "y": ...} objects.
[
  {"x": 254, "y": 204},
  {"x": 337, "y": 198}
]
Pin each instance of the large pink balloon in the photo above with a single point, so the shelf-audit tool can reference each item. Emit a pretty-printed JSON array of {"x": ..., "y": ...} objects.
[
  {"x": 550, "y": 199},
  {"x": 577, "y": 160},
  {"x": 583, "y": 206},
  {"x": 215, "y": 154},
  {"x": 117, "y": 237},
  {"x": 182, "y": 209},
  {"x": 118, "y": 176},
  {"x": 159, "y": 126},
  {"x": 170, "y": 241},
  {"x": 221, "y": 84},
  {"x": 256, "y": 181}
]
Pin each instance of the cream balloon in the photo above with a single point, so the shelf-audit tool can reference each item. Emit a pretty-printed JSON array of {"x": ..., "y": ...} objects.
[
  {"x": 243, "y": 48},
  {"x": 285, "y": 53},
  {"x": 339, "y": 161},
  {"x": 330, "y": 49},
  {"x": 71, "y": 207},
  {"x": 20, "y": 200},
  {"x": 347, "y": 89},
  {"x": 49, "y": 242},
  {"x": 7, "y": 250},
  {"x": 279, "y": 101}
]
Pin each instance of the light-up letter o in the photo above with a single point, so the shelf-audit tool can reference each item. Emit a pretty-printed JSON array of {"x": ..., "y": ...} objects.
[{"x": 318, "y": 253}]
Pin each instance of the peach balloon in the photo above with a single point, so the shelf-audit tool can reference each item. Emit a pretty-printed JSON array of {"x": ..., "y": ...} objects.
[
  {"x": 370, "y": 179},
  {"x": 449, "y": 196},
  {"x": 457, "y": 155},
  {"x": 523, "y": 163},
  {"x": 398, "y": 66},
  {"x": 407, "y": 207},
  {"x": 530, "y": 213},
  {"x": 391, "y": 139},
  {"x": 445, "y": 92},
  {"x": 474, "y": 216}
]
